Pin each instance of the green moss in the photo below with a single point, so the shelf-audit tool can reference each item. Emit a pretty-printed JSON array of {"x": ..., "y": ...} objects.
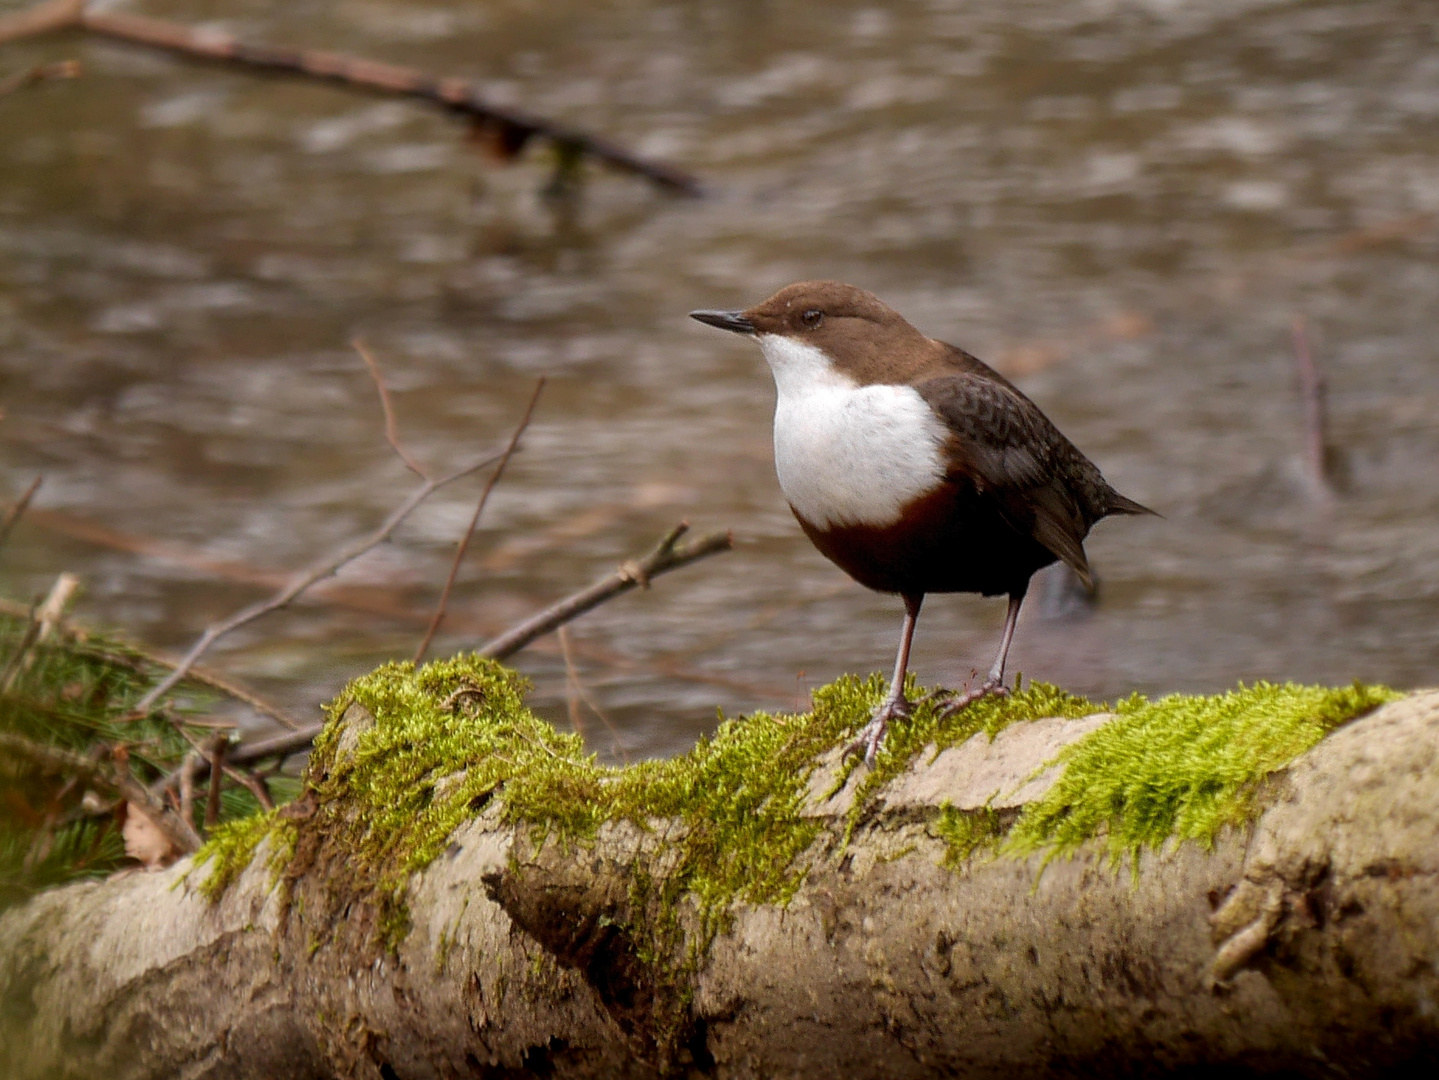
[
  {"x": 450, "y": 737},
  {"x": 1182, "y": 767},
  {"x": 966, "y": 832},
  {"x": 231, "y": 846}
]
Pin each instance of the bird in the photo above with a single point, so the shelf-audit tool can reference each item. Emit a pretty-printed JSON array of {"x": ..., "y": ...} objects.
[{"x": 915, "y": 467}]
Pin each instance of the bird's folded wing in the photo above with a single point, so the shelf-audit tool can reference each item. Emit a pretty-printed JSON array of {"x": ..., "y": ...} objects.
[{"x": 1012, "y": 456}]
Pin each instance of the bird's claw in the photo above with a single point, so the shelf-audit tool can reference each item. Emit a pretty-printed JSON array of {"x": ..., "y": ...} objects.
[
  {"x": 959, "y": 701},
  {"x": 872, "y": 734}
]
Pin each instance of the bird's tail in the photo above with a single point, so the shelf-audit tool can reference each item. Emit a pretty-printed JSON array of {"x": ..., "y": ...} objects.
[{"x": 1120, "y": 504}]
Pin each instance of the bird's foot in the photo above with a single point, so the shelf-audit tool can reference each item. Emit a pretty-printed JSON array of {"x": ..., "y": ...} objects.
[
  {"x": 872, "y": 734},
  {"x": 957, "y": 701}
]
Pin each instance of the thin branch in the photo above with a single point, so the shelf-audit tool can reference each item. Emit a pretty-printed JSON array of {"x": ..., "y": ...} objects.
[
  {"x": 668, "y": 555},
  {"x": 475, "y": 520},
  {"x": 1312, "y": 390},
  {"x": 509, "y": 130},
  {"x": 218, "y": 745},
  {"x": 56, "y": 759},
  {"x": 346, "y": 553},
  {"x": 392, "y": 428},
  {"x": 17, "y": 510}
]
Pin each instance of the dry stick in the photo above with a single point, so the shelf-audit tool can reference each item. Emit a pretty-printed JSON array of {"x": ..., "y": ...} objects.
[
  {"x": 218, "y": 745},
  {"x": 18, "y": 509},
  {"x": 475, "y": 520},
  {"x": 94, "y": 773},
  {"x": 511, "y": 128},
  {"x": 1312, "y": 398},
  {"x": 665, "y": 557}
]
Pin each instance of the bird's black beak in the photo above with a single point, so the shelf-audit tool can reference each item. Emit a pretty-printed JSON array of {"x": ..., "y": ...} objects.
[{"x": 725, "y": 320}]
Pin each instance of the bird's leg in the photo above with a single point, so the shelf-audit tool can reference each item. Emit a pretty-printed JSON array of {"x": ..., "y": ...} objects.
[
  {"x": 895, "y": 703},
  {"x": 994, "y": 682}
]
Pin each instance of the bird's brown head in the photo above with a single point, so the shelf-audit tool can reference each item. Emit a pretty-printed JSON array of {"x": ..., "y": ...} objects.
[{"x": 861, "y": 335}]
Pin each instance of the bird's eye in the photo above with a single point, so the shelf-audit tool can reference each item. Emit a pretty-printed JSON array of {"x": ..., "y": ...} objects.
[{"x": 812, "y": 318}]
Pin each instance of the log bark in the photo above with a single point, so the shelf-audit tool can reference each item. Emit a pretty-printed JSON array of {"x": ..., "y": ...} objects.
[{"x": 1307, "y": 943}]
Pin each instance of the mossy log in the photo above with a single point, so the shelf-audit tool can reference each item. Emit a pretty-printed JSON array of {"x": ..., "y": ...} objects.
[{"x": 905, "y": 929}]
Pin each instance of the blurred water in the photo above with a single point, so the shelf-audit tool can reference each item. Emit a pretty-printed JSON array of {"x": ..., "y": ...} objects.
[{"x": 1121, "y": 203}]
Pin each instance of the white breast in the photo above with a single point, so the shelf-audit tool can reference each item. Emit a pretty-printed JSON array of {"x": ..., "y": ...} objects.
[{"x": 848, "y": 454}]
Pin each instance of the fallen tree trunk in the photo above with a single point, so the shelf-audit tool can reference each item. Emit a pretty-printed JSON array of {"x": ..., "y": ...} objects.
[{"x": 912, "y": 942}]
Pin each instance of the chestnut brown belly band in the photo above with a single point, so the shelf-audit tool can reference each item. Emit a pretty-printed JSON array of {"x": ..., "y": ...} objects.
[{"x": 947, "y": 541}]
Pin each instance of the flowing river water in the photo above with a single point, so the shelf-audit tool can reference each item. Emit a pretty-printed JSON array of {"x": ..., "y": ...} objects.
[{"x": 1122, "y": 204}]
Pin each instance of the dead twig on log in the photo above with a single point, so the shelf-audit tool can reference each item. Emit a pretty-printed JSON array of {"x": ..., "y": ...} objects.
[
  {"x": 665, "y": 557},
  {"x": 475, "y": 520},
  {"x": 1312, "y": 390},
  {"x": 124, "y": 785},
  {"x": 509, "y": 130},
  {"x": 18, "y": 508}
]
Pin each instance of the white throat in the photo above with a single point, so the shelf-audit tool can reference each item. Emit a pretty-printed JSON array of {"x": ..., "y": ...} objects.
[{"x": 847, "y": 454}]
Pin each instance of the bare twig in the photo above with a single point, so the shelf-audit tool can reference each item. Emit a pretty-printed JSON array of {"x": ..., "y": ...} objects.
[
  {"x": 117, "y": 782},
  {"x": 508, "y": 130},
  {"x": 1312, "y": 398},
  {"x": 392, "y": 428},
  {"x": 475, "y": 520},
  {"x": 665, "y": 557},
  {"x": 218, "y": 745},
  {"x": 17, "y": 509},
  {"x": 300, "y": 582}
]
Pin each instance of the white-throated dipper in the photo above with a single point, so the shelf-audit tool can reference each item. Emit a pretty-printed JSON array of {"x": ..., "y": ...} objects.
[{"x": 914, "y": 466}]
